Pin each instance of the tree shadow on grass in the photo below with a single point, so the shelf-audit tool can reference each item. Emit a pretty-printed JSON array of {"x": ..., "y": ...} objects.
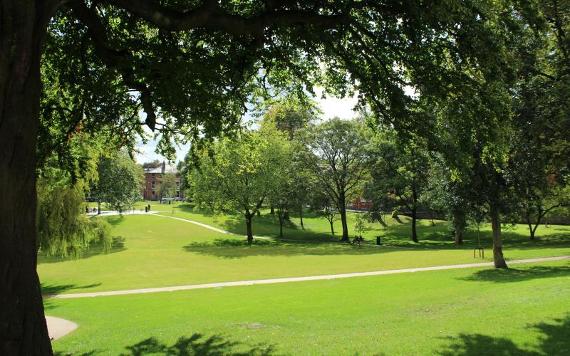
[
  {"x": 499, "y": 275},
  {"x": 197, "y": 344},
  {"x": 233, "y": 248},
  {"x": 52, "y": 290},
  {"x": 55, "y": 289},
  {"x": 88, "y": 353},
  {"x": 555, "y": 340}
]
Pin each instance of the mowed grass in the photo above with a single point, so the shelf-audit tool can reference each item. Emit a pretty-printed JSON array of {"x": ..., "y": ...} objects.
[
  {"x": 520, "y": 311},
  {"x": 155, "y": 251}
]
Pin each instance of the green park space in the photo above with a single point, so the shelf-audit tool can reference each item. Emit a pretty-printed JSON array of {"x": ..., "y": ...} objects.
[
  {"x": 232, "y": 177},
  {"x": 157, "y": 251},
  {"x": 520, "y": 311},
  {"x": 438, "y": 312}
]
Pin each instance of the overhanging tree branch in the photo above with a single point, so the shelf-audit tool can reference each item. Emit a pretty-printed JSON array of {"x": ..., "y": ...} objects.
[
  {"x": 114, "y": 58},
  {"x": 211, "y": 16}
]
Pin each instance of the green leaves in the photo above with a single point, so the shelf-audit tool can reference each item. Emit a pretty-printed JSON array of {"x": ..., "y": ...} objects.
[
  {"x": 242, "y": 172},
  {"x": 120, "y": 182}
]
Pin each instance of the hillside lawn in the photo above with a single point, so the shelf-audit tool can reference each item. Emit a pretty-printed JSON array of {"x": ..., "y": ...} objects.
[
  {"x": 522, "y": 311},
  {"x": 152, "y": 251}
]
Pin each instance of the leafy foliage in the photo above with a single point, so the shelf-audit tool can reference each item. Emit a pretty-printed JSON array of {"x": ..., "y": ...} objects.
[
  {"x": 120, "y": 181},
  {"x": 339, "y": 162},
  {"x": 242, "y": 173}
]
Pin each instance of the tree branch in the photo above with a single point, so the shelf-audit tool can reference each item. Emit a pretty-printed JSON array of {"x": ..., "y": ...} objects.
[
  {"x": 211, "y": 16},
  {"x": 118, "y": 59}
]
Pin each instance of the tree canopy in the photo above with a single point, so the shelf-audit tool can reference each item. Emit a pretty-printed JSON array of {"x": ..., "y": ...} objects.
[
  {"x": 242, "y": 173},
  {"x": 191, "y": 67}
]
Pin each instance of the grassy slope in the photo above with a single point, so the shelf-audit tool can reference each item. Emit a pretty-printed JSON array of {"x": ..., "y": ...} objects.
[
  {"x": 159, "y": 252},
  {"x": 472, "y": 312}
]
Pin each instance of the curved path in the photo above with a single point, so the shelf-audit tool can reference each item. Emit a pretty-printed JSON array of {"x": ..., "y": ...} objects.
[
  {"x": 195, "y": 223},
  {"x": 298, "y": 279},
  {"x": 58, "y": 327}
]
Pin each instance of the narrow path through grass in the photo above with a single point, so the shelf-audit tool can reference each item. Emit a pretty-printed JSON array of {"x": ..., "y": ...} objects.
[{"x": 298, "y": 279}]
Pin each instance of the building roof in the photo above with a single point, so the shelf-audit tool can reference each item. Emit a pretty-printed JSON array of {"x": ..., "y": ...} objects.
[{"x": 162, "y": 169}]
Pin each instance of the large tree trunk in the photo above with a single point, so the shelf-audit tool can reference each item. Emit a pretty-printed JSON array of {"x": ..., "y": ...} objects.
[
  {"x": 343, "y": 220},
  {"x": 23, "y": 329},
  {"x": 248, "y": 227},
  {"x": 301, "y": 217},
  {"x": 498, "y": 258}
]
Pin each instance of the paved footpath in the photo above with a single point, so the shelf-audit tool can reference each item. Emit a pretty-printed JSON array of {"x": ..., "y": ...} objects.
[
  {"x": 58, "y": 327},
  {"x": 298, "y": 279},
  {"x": 195, "y": 223}
]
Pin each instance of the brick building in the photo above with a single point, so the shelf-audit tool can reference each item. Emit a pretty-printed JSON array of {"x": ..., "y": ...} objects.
[
  {"x": 360, "y": 204},
  {"x": 152, "y": 177}
]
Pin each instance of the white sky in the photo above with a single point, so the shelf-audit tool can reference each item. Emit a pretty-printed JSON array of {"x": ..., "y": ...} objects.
[{"x": 331, "y": 107}]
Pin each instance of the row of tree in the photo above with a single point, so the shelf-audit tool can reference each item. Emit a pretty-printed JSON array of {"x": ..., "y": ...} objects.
[
  {"x": 291, "y": 162},
  {"x": 191, "y": 67}
]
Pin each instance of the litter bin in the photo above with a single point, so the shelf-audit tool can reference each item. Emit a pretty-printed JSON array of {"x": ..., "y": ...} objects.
[{"x": 378, "y": 240}]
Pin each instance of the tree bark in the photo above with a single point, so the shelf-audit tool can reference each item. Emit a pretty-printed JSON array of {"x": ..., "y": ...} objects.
[
  {"x": 498, "y": 258},
  {"x": 414, "y": 223},
  {"x": 332, "y": 227},
  {"x": 529, "y": 223},
  {"x": 458, "y": 225},
  {"x": 344, "y": 225},
  {"x": 414, "y": 214},
  {"x": 301, "y": 217},
  {"x": 248, "y": 227},
  {"x": 281, "y": 218},
  {"x": 23, "y": 25}
]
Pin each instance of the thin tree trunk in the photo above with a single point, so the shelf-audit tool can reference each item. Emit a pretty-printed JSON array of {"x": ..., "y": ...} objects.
[
  {"x": 529, "y": 224},
  {"x": 343, "y": 220},
  {"x": 98, "y": 207},
  {"x": 248, "y": 227},
  {"x": 541, "y": 214},
  {"x": 272, "y": 210},
  {"x": 23, "y": 329},
  {"x": 301, "y": 217},
  {"x": 332, "y": 227},
  {"x": 344, "y": 225},
  {"x": 498, "y": 257},
  {"x": 414, "y": 214},
  {"x": 414, "y": 223},
  {"x": 458, "y": 225},
  {"x": 281, "y": 218}
]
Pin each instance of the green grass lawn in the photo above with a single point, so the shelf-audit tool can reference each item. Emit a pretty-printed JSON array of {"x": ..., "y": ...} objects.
[
  {"x": 152, "y": 251},
  {"x": 521, "y": 311}
]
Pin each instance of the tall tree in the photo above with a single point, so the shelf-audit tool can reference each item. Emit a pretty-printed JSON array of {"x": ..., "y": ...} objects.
[
  {"x": 241, "y": 174},
  {"x": 120, "y": 182},
  {"x": 399, "y": 171},
  {"x": 167, "y": 186},
  {"x": 339, "y": 162},
  {"x": 446, "y": 195},
  {"x": 290, "y": 114}
]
